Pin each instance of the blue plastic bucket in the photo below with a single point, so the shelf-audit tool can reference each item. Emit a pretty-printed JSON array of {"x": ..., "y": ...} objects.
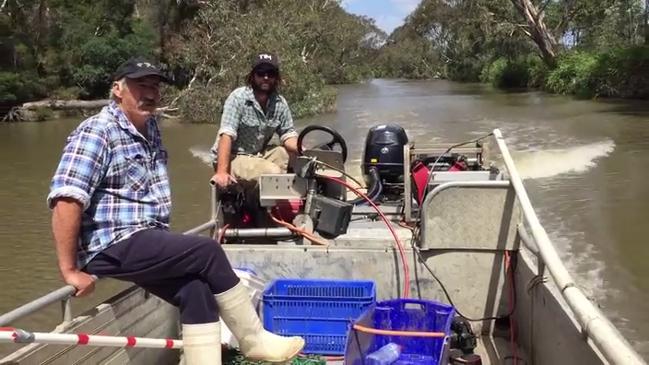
[{"x": 409, "y": 315}]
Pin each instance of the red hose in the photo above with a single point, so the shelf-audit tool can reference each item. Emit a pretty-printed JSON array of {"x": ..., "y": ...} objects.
[
  {"x": 402, "y": 252},
  {"x": 222, "y": 234},
  {"x": 512, "y": 323}
]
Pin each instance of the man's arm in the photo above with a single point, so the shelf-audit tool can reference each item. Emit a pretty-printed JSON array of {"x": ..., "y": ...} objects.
[
  {"x": 286, "y": 130},
  {"x": 222, "y": 177},
  {"x": 223, "y": 154},
  {"x": 80, "y": 172},
  {"x": 291, "y": 145},
  {"x": 66, "y": 225},
  {"x": 226, "y": 135}
]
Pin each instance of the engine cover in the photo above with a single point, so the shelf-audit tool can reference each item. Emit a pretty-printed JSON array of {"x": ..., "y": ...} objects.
[{"x": 384, "y": 151}]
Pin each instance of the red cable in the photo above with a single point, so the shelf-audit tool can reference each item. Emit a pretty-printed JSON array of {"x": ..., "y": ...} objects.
[
  {"x": 402, "y": 252},
  {"x": 512, "y": 323},
  {"x": 222, "y": 234}
]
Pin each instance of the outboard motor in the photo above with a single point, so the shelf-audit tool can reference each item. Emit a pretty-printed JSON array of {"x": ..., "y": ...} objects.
[{"x": 382, "y": 164}]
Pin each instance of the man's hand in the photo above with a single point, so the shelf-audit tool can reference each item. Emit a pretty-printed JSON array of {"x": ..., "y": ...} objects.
[
  {"x": 222, "y": 179},
  {"x": 84, "y": 283}
]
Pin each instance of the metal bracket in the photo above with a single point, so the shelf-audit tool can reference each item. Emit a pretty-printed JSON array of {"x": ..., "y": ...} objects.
[{"x": 280, "y": 187}]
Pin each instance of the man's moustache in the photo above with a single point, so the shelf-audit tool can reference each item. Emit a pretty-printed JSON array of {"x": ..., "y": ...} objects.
[{"x": 146, "y": 103}]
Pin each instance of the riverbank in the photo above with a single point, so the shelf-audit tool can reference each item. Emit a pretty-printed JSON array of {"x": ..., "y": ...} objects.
[
  {"x": 615, "y": 73},
  {"x": 312, "y": 103}
]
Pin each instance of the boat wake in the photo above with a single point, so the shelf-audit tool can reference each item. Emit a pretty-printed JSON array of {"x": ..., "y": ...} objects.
[
  {"x": 202, "y": 154},
  {"x": 540, "y": 164}
]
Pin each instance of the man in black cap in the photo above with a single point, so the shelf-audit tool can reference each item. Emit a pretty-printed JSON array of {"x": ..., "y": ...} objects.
[
  {"x": 111, "y": 203},
  {"x": 252, "y": 114}
]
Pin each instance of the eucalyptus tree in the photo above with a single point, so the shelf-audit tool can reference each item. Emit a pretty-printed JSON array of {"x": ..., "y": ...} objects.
[{"x": 316, "y": 40}]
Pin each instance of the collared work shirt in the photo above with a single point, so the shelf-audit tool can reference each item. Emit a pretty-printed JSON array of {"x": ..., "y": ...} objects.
[
  {"x": 251, "y": 129},
  {"x": 118, "y": 175}
]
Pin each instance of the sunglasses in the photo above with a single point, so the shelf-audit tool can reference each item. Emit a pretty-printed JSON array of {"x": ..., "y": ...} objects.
[{"x": 264, "y": 73}]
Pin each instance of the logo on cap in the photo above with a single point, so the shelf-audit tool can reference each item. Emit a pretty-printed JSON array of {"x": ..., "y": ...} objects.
[
  {"x": 145, "y": 64},
  {"x": 265, "y": 56}
]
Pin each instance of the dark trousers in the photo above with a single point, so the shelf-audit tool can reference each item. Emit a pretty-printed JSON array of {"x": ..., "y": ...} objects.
[{"x": 184, "y": 270}]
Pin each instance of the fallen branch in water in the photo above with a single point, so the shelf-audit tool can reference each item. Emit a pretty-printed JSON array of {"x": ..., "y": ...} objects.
[{"x": 65, "y": 104}]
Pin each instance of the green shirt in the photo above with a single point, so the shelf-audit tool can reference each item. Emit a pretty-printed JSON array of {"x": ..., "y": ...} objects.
[{"x": 251, "y": 129}]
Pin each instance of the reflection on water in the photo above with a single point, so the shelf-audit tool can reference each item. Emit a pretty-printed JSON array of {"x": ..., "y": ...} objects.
[{"x": 584, "y": 164}]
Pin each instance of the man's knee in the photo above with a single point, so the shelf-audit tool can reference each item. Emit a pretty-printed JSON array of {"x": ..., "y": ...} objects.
[{"x": 205, "y": 247}]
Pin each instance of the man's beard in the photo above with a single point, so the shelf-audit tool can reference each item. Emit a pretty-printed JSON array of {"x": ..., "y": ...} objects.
[{"x": 270, "y": 90}]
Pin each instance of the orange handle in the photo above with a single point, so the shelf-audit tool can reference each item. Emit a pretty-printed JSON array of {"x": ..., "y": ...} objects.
[{"x": 375, "y": 331}]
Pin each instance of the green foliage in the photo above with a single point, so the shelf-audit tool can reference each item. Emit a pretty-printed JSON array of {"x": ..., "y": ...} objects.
[
  {"x": 234, "y": 357},
  {"x": 538, "y": 71},
  {"x": 62, "y": 44},
  {"x": 317, "y": 42},
  {"x": 410, "y": 58},
  {"x": 520, "y": 72},
  {"x": 16, "y": 87},
  {"x": 601, "y": 54},
  {"x": 619, "y": 72},
  {"x": 573, "y": 74},
  {"x": 98, "y": 57}
]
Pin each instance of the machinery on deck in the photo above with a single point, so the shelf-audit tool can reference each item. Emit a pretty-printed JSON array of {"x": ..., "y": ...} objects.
[{"x": 313, "y": 201}]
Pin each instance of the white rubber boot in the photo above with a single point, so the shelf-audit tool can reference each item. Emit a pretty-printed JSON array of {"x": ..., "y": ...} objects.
[
  {"x": 255, "y": 342},
  {"x": 202, "y": 343}
]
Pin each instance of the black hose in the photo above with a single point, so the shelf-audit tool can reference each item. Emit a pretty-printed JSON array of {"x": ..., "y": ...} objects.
[{"x": 375, "y": 189}]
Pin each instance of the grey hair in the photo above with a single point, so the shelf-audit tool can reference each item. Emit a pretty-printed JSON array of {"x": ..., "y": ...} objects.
[{"x": 122, "y": 84}]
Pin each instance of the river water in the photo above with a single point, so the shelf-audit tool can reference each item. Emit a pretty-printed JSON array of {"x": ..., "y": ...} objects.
[{"x": 583, "y": 162}]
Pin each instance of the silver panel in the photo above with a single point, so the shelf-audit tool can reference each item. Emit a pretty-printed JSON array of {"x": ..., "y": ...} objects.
[
  {"x": 274, "y": 187},
  {"x": 470, "y": 215},
  {"x": 473, "y": 279}
]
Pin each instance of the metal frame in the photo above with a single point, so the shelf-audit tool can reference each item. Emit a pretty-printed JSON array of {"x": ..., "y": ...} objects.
[
  {"x": 410, "y": 151},
  {"x": 65, "y": 294}
]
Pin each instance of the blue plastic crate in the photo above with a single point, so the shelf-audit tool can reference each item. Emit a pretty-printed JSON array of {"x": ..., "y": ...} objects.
[
  {"x": 403, "y": 315},
  {"x": 318, "y": 310}
]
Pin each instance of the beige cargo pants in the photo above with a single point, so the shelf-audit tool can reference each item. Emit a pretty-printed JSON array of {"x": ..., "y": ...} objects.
[{"x": 248, "y": 168}]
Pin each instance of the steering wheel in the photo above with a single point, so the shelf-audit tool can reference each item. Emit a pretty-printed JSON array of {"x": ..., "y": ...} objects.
[{"x": 336, "y": 139}]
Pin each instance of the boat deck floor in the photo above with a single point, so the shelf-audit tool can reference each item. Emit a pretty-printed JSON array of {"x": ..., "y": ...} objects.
[{"x": 492, "y": 351}]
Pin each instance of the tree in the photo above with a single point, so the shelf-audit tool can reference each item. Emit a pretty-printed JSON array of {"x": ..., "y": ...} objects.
[
  {"x": 317, "y": 42},
  {"x": 537, "y": 30}
]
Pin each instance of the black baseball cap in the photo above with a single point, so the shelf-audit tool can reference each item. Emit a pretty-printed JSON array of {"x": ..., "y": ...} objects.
[
  {"x": 265, "y": 58},
  {"x": 137, "y": 67}
]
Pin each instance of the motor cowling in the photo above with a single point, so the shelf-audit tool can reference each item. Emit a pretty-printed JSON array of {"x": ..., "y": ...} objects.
[{"x": 384, "y": 152}]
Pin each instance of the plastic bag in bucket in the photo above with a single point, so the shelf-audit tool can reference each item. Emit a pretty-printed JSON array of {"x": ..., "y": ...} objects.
[{"x": 394, "y": 317}]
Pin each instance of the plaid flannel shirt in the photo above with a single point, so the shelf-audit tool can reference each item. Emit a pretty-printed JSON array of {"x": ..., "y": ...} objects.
[
  {"x": 119, "y": 176},
  {"x": 251, "y": 129}
]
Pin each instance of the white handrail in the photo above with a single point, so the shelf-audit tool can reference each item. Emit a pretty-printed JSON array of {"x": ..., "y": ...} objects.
[
  {"x": 595, "y": 325},
  {"x": 15, "y": 335}
]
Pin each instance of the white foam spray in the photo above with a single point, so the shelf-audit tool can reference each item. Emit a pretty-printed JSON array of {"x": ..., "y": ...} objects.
[
  {"x": 553, "y": 162},
  {"x": 202, "y": 154}
]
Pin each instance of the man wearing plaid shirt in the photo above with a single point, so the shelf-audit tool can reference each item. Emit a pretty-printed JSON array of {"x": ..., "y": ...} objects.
[
  {"x": 252, "y": 114},
  {"x": 111, "y": 202}
]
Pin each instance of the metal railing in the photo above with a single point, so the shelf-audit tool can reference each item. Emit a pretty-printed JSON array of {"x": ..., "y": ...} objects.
[
  {"x": 65, "y": 294},
  {"x": 606, "y": 338}
]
